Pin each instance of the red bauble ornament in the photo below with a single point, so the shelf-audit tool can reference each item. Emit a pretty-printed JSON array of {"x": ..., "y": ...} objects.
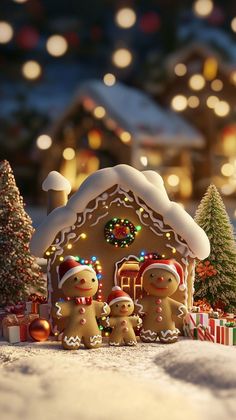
[{"x": 39, "y": 329}]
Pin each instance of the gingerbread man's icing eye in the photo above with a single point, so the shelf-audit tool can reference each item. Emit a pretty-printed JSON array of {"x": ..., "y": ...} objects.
[
  {"x": 152, "y": 275},
  {"x": 93, "y": 280},
  {"x": 117, "y": 305},
  {"x": 75, "y": 279},
  {"x": 169, "y": 280},
  {"x": 129, "y": 305}
]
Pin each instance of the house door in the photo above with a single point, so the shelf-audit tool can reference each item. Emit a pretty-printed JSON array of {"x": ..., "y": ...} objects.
[{"x": 127, "y": 279}]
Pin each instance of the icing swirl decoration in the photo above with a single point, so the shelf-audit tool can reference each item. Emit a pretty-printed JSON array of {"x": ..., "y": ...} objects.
[{"x": 120, "y": 232}]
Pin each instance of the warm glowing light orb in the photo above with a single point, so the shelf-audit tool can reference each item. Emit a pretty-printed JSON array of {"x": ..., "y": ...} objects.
[
  {"x": 203, "y": 8},
  {"x": 212, "y": 101},
  {"x": 197, "y": 82},
  {"x": 233, "y": 24},
  {"x": 217, "y": 85},
  {"x": 31, "y": 70},
  {"x": 144, "y": 160},
  {"x": 122, "y": 57},
  {"x": 227, "y": 169},
  {"x": 222, "y": 108},
  {"x": 6, "y": 32},
  {"x": 125, "y": 18},
  {"x": 99, "y": 112},
  {"x": 193, "y": 101},
  {"x": 109, "y": 79},
  {"x": 125, "y": 137},
  {"x": 180, "y": 69},
  {"x": 68, "y": 153},
  {"x": 179, "y": 103},
  {"x": 57, "y": 45},
  {"x": 173, "y": 180},
  {"x": 44, "y": 142}
]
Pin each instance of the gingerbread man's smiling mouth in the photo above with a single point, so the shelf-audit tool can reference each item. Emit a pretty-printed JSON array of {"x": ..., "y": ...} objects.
[
  {"x": 123, "y": 311},
  {"x": 157, "y": 287},
  {"x": 83, "y": 288}
]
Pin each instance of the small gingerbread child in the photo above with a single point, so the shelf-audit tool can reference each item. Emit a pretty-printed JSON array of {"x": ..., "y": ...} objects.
[
  {"x": 79, "y": 284},
  {"x": 161, "y": 278},
  {"x": 121, "y": 321}
]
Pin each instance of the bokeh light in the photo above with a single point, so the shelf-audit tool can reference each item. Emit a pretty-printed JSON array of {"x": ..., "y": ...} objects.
[
  {"x": 57, "y": 45},
  {"x": 109, "y": 79},
  {"x": 44, "y": 142},
  {"x": 203, "y": 8},
  {"x": 68, "y": 153},
  {"x": 212, "y": 101},
  {"x": 227, "y": 169},
  {"x": 193, "y": 101},
  {"x": 122, "y": 57},
  {"x": 99, "y": 112},
  {"x": 222, "y": 108},
  {"x": 173, "y": 180},
  {"x": 179, "y": 103},
  {"x": 6, "y": 32},
  {"x": 125, "y": 137},
  {"x": 31, "y": 70},
  {"x": 180, "y": 69},
  {"x": 217, "y": 85},
  {"x": 125, "y": 18},
  {"x": 233, "y": 24},
  {"x": 197, "y": 82}
]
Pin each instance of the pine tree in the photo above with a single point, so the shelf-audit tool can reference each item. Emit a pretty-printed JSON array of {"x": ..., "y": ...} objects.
[
  {"x": 19, "y": 272},
  {"x": 215, "y": 278}
]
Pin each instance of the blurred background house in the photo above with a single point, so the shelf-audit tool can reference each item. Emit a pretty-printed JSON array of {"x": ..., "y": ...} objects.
[{"x": 85, "y": 85}]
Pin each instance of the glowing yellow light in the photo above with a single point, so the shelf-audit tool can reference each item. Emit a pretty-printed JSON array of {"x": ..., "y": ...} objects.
[
  {"x": 99, "y": 112},
  {"x": 47, "y": 253},
  {"x": 144, "y": 160},
  {"x": 53, "y": 248},
  {"x": 227, "y": 169},
  {"x": 180, "y": 69},
  {"x": 125, "y": 136},
  {"x": 44, "y": 142},
  {"x": 193, "y": 101},
  {"x": 125, "y": 18},
  {"x": 109, "y": 79},
  {"x": 173, "y": 250},
  {"x": 83, "y": 235},
  {"x": 163, "y": 255},
  {"x": 179, "y": 103},
  {"x": 212, "y": 101},
  {"x": 106, "y": 334},
  {"x": 141, "y": 210},
  {"x": 173, "y": 180},
  {"x": 217, "y": 85},
  {"x": 94, "y": 139},
  {"x": 31, "y": 70},
  {"x": 20, "y": 1},
  {"x": 227, "y": 189},
  {"x": 168, "y": 235},
  {"x": 6, "y": 32},
  {"x": 233, "y": 24},
  {"x": 203, "y": 8},
  {"x": 69, "y": 246},
  {"x": 126, "y": 199},
  {"x": 57, "y": 45},
  {"x": 233, "y": 77},
  {"x": 61, "y": 258},
  {"x": 122, "y": 57},
  {"x": 197, "y": 82},
  {"x": 68, "y": 153},
  {"x": 210, "y": 68},
  {"x": 222, "y": 108}
]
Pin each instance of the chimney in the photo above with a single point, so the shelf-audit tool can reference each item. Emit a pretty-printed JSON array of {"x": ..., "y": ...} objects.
[{"x": 58, "y": 189}]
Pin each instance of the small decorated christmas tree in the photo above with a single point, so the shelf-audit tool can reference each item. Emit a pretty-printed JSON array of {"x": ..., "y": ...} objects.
[
  {"x": 215, "y": 279},
  {"x": 19, "y": 272}
]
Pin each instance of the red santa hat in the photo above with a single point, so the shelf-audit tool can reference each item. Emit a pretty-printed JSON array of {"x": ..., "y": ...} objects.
[
  {"x": 69, "y": 267},
  {"x": 117, "y": 295},
  {"x": 169, "y": 265}
]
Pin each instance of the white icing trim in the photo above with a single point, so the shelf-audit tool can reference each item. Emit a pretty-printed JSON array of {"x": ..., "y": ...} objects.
[
  {"x": 105, "y": 309},
  {"x": 171, "y": 332},
  {"x": 131, "y": 343},
  {"x": 169, "y": 338},
  {"x": 181, "y": 313},
  {"x": 141, "y": 185},
  {"x": 148, "y": 332},
  {"x": 120, "y": 262},
  {"x": 99, "y": 218},
  {"x": 141, "y": 310},
  {"x": 58, "y": 313},
  {"x": 95, "y": 339},
  {"x": 113, "y": 343},
  {"x": 72, "y": 341}
]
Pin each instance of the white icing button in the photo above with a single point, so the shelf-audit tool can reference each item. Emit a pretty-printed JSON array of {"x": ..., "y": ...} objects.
[
  {"x": 82, "y": 311},
  {"x": 159, "y": 318},
  {"x": 159, "y": 309},
  {"x": 125, "y": 329},
  {"x": 158, "y": 300},
  {"x": 124, "y": 322},
  {"x": 83, "y": 321}
]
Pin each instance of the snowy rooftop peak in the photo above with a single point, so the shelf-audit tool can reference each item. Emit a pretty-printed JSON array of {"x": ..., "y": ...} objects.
[{"x": 56, "y": 182}]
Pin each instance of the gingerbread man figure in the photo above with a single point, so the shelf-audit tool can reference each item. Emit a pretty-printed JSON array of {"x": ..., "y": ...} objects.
[
  {"x": 79, "y": 284},
  {"x": 161, "y": 278},
  {"x": 121, "y": 321}
]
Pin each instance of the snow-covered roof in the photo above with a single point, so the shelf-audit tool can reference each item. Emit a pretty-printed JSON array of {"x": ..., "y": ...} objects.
[
  {"x": 147, "y": 185},
  {"x": 135, "y": 112}
]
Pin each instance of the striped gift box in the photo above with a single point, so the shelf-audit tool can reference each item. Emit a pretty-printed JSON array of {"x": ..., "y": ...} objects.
[
  {"x": 226, "y": 335},
  {"x": 213, "y": 323},
  {"x": 195, "y": 319}
]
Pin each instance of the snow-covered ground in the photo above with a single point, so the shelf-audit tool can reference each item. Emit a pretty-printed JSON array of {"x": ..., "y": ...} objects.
[{"x": 188, "y": 379}]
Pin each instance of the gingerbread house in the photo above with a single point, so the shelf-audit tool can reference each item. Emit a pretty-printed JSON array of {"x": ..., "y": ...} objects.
[{"x": 118, "y": 218}]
